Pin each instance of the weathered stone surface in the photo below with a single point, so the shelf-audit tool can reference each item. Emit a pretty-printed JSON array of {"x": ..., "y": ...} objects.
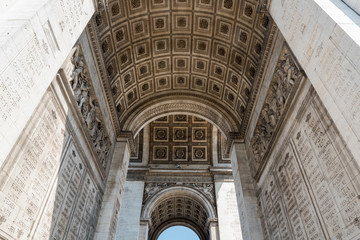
[
  {"x": 114, "y": 191},
  {"x": 130, "y": 210},
  {"x": 206, "y": 58},
  {"x": 245, "y": 188},
  {"x": 228, "y": 215},
  {"x": 353, "y": 4},
  {"x": 33, "y": 45}
]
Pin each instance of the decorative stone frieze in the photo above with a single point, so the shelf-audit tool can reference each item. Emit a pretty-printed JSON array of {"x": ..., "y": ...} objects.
[
  {"x": 206, "y": 188},
  {"x": 282, "y": 88},
  {"x": 273, "y": 33},
  {"x": 152, "y": 188},
  {"x": 88, "y": 107}
]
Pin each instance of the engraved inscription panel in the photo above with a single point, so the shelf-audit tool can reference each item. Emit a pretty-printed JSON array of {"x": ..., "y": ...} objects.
[
  {"x": 71, "y": 211},
  {"x": 46, "y": 191},
  {"x": 330, "y": 169},
  {"x": 314, "y": 179},
  {"x": 28, "y": 172}
]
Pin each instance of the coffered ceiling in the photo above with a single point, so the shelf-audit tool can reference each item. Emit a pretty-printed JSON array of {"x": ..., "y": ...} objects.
[
  {"x": 180, "y": 139},
  {"x": 207, "y": 49}
]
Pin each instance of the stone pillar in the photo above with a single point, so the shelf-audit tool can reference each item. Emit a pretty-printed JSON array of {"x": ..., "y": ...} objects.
[
  {"x": 228, "y": 216},
  {"x": 110, "y": 208},
  {"x": 246, "y": 194},
  {"x": 144, "y": 230},
  {"x": 129, "y": 220},
  {"x": 213, "y": 231}
]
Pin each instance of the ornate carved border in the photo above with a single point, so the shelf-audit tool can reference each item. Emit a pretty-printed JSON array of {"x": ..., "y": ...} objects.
[
  {"x": 103, "y": 75},
  {"x": 136, "y": 154},
  {"x": 222, "y": 158},
  {"x": 266, "y": 57},
  {"x": 191, "y": 107}
]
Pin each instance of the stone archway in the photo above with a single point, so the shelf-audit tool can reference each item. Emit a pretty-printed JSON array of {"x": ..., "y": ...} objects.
[
  {"x": 181, "y": 216},
  {"x": 178, "y": 205}
]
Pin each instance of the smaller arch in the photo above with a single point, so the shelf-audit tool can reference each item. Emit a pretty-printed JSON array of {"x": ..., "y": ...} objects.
[{"x": 176, "y": 192}]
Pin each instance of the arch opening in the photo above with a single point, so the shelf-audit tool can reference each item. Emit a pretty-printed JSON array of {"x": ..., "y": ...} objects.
[
  {"x": 178, "y": 232},
  {"x": 178, "y": 205}
]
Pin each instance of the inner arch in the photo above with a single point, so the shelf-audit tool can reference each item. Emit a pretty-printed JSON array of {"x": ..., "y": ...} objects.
[
  {"x": 207, "y": 110},
  {"x": 178, "y": 205}
]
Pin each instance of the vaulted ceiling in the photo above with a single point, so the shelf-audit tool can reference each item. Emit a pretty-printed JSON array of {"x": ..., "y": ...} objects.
[{"x": 210, "y": 50}]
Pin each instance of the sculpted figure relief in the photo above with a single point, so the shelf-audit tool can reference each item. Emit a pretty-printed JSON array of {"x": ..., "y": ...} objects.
[
  {"x": 88, "y": 107},
  {"x": 152, "y": 188},
  {"x": 285, "y": 76},
  {"x": 207, "y": 189}
]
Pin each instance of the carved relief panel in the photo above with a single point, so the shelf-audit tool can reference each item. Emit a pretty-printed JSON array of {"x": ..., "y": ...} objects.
[
  {"x": 88, "y": 107},
  {"x": 282, "y": 88}
]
